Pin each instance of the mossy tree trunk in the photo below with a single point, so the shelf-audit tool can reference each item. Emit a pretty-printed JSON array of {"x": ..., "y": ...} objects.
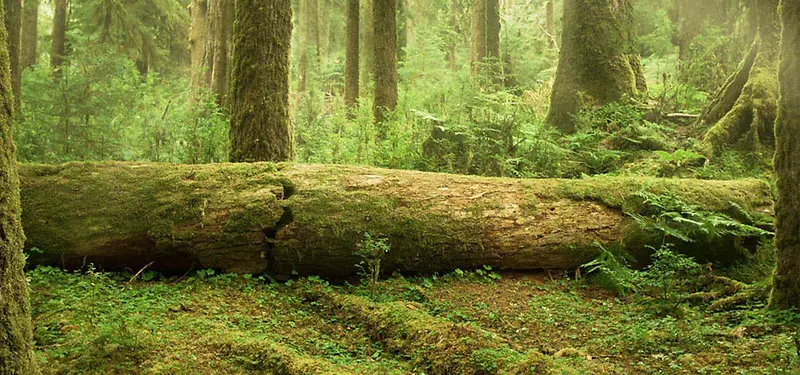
[
  {"x": 308, "y": 219},
  {"x": 16, "y": 334},
  {"x": 13, "y": 22},
  {"x": 691, "y": 17},
  {"x": 367, "y": 46},
  {"x": 384, "y": 17},
  {"x": 786, "y": 281},
  {"x": 743, "y": 111},
  {"x": 58, "y": 52},
  {"x": 351, "y": 69},
  {"x": 223, "y": 32},
  {"x": 30, "y": 33},
  {"x": 597, "y": 63},
  {"x": 199, "y": 44},
  {"x": 261, "y": 128}
]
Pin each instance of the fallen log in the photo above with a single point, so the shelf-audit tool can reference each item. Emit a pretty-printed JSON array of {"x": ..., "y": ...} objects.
[{"x": 289, "y": 219}]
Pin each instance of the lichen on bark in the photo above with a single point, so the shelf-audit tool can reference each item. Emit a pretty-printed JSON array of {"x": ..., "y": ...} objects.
[{"x": 597, "y": 62}]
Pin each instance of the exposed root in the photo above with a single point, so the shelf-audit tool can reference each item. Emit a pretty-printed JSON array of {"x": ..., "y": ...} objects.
[
  {"x": 264, "y": 355},
  {"x": 729, "y": 294},
  {"x": 438, "y": 346}
]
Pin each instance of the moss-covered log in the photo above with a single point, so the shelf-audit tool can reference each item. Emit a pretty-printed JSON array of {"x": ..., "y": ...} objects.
[{"x": 307, "y": 219}]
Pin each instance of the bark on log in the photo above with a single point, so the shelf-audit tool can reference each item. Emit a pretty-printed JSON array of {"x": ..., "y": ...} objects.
[{"x": 308, "y": 219}]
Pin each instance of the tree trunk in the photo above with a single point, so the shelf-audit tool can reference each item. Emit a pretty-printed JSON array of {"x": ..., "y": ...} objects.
[
  {"x": 402, "y": 29},
  {"x": 309, "y": 51},
  {"x": 30, "y": 34},
  {"x": 261, "y": 128},
  {"x": 16, "y": 334},
  {"x": 307, "y": 219},
  {"x": 597, "y": 64},
  {"x": 223, "y": 31},
  {"x": 550, "y": 24},
  {"x": 478, "y": 38},
  {"x": 58, "y": 53},
  {"x": 786, "y": 281},
  {"x": 384, "y": 14},
  {"x": 367, "y": 46},
  {"x": 743, "y": 111},
  {"x": 351, "y": 69},
  {"x": 198, "y": 41},
  {"x": 452, "y": 41},
  {"x": 13, "y": 22}
]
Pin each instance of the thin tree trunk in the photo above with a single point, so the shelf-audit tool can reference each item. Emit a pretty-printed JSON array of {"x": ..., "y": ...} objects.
[
  {"x": 16, "y": 333},
  {"x": 198, "y": 41},
  {"x": 402, "y": 29},
  {"x": 384, "y": 14},
  {"x": 367, "y": 46},
  {"x": 478, "y": 38},
  {"x": 261, "y": 128},
  {"x": 550, "y": 24},
  {"x": 351, "y": 70},
  {"x": 13, "y": 22},
  {"x": 493, "y": 40},
  {"x": 786, "y": 281},
  {"x": 222, "y": 37},
  {"x": 597, "y": 63},
  {"x": 310, "y": 49},
  {"x": 30, "y": 33},
  {"x": 307, "y": 219},
  {"x": 58, "y": 53},
  {"x": 452, "y": 41}
]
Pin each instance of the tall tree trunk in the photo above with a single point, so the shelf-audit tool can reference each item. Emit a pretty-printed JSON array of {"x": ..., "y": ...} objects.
[
  {"x": 493, "y": 40},
  {"x": 743, "y": 111},
  {"x": 198, "y": 41},
  {"x": 478, "y": 39},
  {"x": 310, "y": 50},
  {"x": 58, "y": 52},
  {"x": 402, "y": 29},
  {"x": 367, "y": 46},
  {"x": 30, "y": 33},
  {"x": 597, "y": 64},
  {"x": 223, "y": 31},
  {"x": 16, "y": 333},
  {"x": 550, "y": 24},
  {"x": 384, "y": 16},
  {"x": 351, "y": 69},
  {"x": 786, "y": 281},
  {"x": 452, "y": 41},
  {"x": 261, "y": 128},
  {"x": 13, "y": 22},
  {"x": 324, "y": 22}
]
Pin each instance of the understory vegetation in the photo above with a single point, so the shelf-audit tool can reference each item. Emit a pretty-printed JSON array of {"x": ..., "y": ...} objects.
[{"x": 126, "y": 90}]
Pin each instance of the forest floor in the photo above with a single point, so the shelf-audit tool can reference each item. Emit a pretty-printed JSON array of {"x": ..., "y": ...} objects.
[{"x": 99, "y": 323}]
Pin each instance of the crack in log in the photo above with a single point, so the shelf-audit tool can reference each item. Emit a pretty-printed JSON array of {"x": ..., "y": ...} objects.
[{"x": 270, "y": 234}]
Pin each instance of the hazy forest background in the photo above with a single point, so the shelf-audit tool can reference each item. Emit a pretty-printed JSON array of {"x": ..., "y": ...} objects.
[
  {"x": 126, "y": 91},
  {"x": 633, "y": 229}
]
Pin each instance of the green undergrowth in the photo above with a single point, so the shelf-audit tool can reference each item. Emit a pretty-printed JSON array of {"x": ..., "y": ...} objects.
[{"x": 477, "y": 322}]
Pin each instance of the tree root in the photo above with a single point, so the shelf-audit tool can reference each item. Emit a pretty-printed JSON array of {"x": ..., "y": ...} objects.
[{"x": 728, "y": 294}]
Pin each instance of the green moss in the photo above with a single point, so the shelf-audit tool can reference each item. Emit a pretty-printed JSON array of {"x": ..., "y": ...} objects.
[
  {"x": 436, "y": 345},
  {"x": 262, "y": 354}
]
